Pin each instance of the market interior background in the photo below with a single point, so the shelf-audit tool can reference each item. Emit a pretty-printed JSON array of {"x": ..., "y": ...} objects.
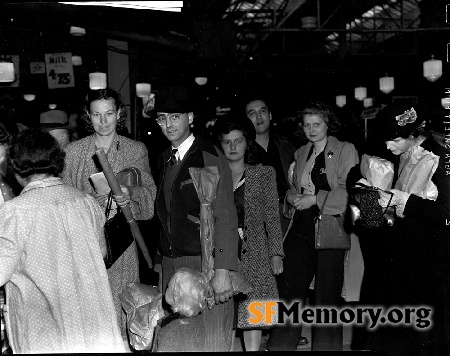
[{"x": 291, "y": 51}]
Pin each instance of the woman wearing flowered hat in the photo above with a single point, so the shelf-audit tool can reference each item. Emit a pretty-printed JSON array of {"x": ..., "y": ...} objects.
[{"x": 413, "y": 251}]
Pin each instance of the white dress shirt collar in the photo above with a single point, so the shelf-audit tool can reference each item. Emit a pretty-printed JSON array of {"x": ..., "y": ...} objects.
[{"x": 184, "y": 147}]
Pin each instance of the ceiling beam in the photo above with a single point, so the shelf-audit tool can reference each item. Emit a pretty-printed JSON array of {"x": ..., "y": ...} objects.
[{"x": 281, "y": 30}]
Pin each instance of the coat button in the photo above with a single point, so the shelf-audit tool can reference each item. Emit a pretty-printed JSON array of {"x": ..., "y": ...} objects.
[
  {"x": 245, "y": 227},
  {"x": 245, "y": 237},
  {"x": 221, "y": 250},
  {"x": 244, "y": 251}
]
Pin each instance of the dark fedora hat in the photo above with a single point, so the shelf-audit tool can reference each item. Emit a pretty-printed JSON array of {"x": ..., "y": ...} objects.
[
  {"x": 54, "y": 119},
  {"x": 229, "y": 122},
  {"x": 173, "y": 100},
  {"x": 399, "y": 119}
]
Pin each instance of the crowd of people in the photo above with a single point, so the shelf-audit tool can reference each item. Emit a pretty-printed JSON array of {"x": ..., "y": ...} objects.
[{"x": 61, "y": 297}]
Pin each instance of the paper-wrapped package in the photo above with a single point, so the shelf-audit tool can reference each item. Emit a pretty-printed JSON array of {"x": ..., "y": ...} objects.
[
  {"x": 205, "y": 181},
  {"x": 379, "y": 172},
  {"x": 416, "y": 173},
  {"x": 143, "y": 306}
]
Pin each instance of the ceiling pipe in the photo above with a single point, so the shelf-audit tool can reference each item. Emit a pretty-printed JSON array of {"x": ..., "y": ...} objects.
[
  {"x": 340, "y": 30},
  {"x": 184, "y": 44}
]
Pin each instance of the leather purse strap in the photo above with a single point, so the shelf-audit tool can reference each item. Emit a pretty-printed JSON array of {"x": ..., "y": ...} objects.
[
  {"x": 108, "y": 204},
  {"x": 323, "y": 205}
]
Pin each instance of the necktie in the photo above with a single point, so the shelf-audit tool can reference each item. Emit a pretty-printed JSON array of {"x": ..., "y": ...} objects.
[{"x": 173, "y": 158}]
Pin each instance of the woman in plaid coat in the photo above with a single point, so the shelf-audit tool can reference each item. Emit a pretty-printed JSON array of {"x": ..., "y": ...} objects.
[{"x": 256, "y": 200}]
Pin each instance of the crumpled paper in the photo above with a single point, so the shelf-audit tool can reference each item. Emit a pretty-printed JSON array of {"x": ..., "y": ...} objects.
[
  {"x": 416, "y": 172},
  {"x": 205, "y": 182},
  {"x": 143, "y": 306},
  {"x": 377, "y": 171}
]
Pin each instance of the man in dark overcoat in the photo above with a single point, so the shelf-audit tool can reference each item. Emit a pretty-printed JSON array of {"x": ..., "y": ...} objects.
[{"x": 178, "y": 208}]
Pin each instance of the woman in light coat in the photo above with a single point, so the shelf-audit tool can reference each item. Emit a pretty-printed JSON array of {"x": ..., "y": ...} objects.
[
  {"x": 321, "y": 168},
  {"x": 105, "y": 114}
]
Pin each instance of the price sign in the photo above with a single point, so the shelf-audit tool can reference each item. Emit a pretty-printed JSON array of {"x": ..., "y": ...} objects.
[{"x": 59, "y": 70}]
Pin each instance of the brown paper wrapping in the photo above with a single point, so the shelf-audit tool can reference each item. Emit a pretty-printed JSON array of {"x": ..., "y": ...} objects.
[
  {"x": 143, "y": 306},
  {"x": 205, "y": 181},
  {"x": 379, "y": 172},
  {"x": 416, "y": 173}
]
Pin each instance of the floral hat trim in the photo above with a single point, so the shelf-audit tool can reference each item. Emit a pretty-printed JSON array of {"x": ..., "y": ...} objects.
[{"x": 407, "y": 117}]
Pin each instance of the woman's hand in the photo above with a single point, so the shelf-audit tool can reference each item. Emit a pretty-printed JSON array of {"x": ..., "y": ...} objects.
[
  {"x": 123, "y": 199},
  {"x": 277, "y": 265},
  {"x": 293, "y": 199},
  {"x": 301, "y": 201},
  {"x": 307, "y": 201},
  {"x": 398, "y": 198},
  {"x": 101, "y": 198}
]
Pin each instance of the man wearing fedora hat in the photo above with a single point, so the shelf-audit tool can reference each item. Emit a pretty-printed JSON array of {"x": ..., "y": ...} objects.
[
  {"x": 56, "y": 123},
  {"x": 178, "y": 208}
]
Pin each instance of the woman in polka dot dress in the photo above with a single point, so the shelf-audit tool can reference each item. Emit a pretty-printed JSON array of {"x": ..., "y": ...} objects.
[{"x": 58, "y": 298}]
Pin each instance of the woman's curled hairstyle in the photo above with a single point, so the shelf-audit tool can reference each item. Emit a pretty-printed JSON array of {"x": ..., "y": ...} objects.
[
  {"x": 225, "y": 125},
  {"x": 104, "y": 94},
  {"x": 34, "y": 151},
  {"x": 325, "y": 112}
]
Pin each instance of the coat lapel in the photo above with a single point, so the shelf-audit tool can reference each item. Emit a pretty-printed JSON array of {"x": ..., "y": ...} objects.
[
  {"x": 332, "y": 152},
  {"x": 301, "y": 163}
]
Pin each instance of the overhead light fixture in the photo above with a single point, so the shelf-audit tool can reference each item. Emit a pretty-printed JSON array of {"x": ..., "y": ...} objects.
[
  {"x": 309, "y": 22},
  {"x": 143, "y": 90},
  {"x": 445, "y": 102},
  {"x": 201, "y": 80},
  {"x": 368, "y": 102},
  {"x": 29, "y": 97},
  {"x": 386, "y": 84},
  {"x": 6, "y": 70},
  {"x": 341, "y": 100},
  {"x": 52, "y": 106},
  {"x": 360, "y": 93},
  {"x": 174, "y": 6},
  {"x": 77, "y": 31},
  {"x": 97, "y": 80},
  {"x": 77, "y": 61},
  {"x": 432, "y": 69}
]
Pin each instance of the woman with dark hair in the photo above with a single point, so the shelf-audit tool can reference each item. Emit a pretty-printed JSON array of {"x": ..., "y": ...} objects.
[
  {"x": 256, "y": 200},
  {"x": 318, "y": 182},
  {"x": 408, "y": 261},
  {"x": 51, "y": 258},
  {"x": 105, "y": 114}
]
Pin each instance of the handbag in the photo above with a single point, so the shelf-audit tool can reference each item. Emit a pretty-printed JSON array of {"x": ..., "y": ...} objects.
[
  {"x": 372, "y": 214},
  {"x": 118, "y": 234},
  {"x": 329, "y": 232}
]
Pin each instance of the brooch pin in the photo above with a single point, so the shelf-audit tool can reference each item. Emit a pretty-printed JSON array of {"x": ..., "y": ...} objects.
[
  {"x": 323, "y": 171},
  {"x": 407, "y": 117},
  {"x": 330, "y": 154}
]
